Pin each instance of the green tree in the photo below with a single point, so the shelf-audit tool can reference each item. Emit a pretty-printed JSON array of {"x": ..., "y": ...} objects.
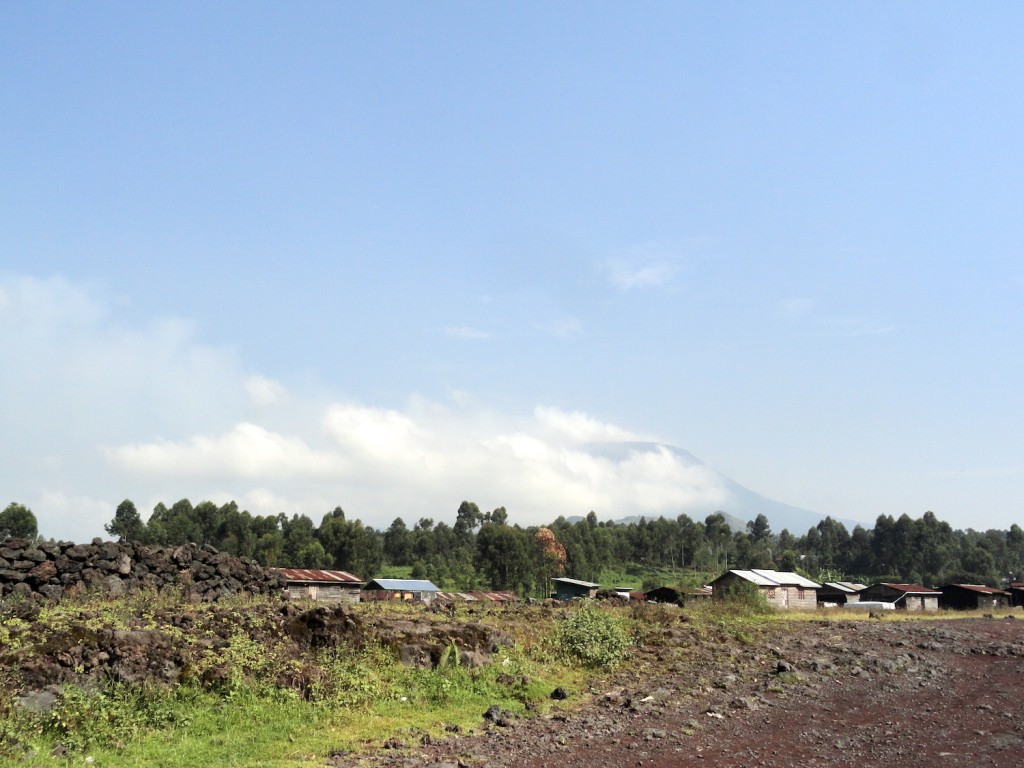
[
  {"x": 127, "y": 524},
  {"x": 299, "y": 538},
  {"x": 398, "y": 543},
  {"x": 176, "y": 525},
  {"x": 499, "y": 516},
  {"x": 467, "y": 519},
  {"x": 504, "y": 557},
  {"x": 17, "y": 521},
  {"x": 350, "y": 545},
  {"x": 759, "y": 529}
]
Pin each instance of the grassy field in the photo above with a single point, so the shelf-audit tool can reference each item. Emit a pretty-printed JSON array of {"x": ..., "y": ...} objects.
[{"x": 361, "y": 697}]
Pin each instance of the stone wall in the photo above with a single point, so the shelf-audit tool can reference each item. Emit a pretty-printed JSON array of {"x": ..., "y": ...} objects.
[{"x": 50, "y": 570}]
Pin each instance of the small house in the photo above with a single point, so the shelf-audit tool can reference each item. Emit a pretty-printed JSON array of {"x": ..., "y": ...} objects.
[
  {"x": 905, "y": 597},
  {"x": 972, "y": 597},
  {"x": 409, "y": 590},
  {"x": 782, "y": 589},
  {"x": 567, "y": 589},
  {"x": 679, "y": 595},
  {"x": 321, "y": 585},
  {"x": 839, "y": 593},
  {"x": 1016, "y": 592}
]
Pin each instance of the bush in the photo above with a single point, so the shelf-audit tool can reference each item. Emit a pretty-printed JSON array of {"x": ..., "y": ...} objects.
[
  {"x": 743, "y": 594},
  {"x": 592, "y": 637}
]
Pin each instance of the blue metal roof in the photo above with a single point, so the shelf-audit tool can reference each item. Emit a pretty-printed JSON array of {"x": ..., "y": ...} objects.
[{"x": 403, "y": 585}]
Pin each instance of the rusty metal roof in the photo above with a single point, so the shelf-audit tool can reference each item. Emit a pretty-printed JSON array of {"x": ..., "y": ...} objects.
[
  {"x": 910, "y": 589},
  {"x": 980, "y": 588},
  {"x": 318, "y": 576}
]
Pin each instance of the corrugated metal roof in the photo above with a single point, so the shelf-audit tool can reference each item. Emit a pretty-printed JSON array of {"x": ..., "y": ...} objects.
[
  {"x": 765, "y": 578},
  {"x": 846, "y": 586},
  {"x": 403, "y": 585},
  {"x": 755, "y": 577},
  {"x": 980, "y": 588},
  {"x": 911, "y": 589},
  {"x": 788, "y": 578},
  {"x": 319, "y": 576},
  {"x": 577, "y": 582}
]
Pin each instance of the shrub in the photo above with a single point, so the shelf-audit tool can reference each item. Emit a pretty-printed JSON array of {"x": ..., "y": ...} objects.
[
  {"x": 745, "y": 597},
  {"x": 356, "y": 677},
  {"x": 592, "y": 637}
]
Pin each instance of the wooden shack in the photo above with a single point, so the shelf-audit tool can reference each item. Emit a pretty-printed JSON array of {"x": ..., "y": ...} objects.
[
  {"x": 679, "y": 595},
  {"x": 972, "y": 597},
  {"x": 905, "y": 597},
  {"x": 839, "y": 593},
  {"x": 321, "y": 585},
  {"x": 782, "y": 589},
  {"x": 409, "y": 590},
  {"x": 1016, "y": 592},
  {"x": 568, "y": 589}
]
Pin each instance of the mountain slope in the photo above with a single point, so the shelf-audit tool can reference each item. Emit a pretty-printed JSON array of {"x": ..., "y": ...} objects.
[{"x": 729, "y": 497}]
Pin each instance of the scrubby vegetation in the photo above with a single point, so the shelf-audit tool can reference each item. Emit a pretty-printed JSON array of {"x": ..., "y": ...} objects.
[
  {"x": 592, "y": 636},
  {"x": 155, "y": 679}
]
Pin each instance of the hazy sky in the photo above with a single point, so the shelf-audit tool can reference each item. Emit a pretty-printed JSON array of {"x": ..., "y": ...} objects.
[{"x": 391, "y": 256}]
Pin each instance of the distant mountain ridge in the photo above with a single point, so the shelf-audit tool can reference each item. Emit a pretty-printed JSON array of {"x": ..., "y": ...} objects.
[{"x": 738, "y": 503}]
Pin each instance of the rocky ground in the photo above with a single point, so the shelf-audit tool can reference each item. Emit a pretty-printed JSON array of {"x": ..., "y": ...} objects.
[{"x": 865, "y": 694}]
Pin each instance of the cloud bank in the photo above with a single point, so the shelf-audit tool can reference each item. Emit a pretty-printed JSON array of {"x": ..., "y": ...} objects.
[{"x": 103, "y": 412}]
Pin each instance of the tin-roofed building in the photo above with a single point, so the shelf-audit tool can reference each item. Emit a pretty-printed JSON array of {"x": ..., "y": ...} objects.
[
  {"x": 905, "y": 597},
  {"x": 839, "y": 592},
  {"x": 1016, "y": 592},
  {"x": 679, "y": 595},
  {"x": 322, "y": 585},
  {"x": 782, "y": 589},
  {"x": 399, "y": 589},
  {"x": 972, "y": 597},
  {"x": 567, "y": 589}
]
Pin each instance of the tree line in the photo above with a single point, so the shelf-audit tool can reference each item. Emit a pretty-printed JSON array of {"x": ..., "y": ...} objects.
[{"x": 482, "y": 550}]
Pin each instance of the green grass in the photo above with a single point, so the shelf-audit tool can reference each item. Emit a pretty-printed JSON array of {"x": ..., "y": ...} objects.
[{"x": 354, "y": 699}]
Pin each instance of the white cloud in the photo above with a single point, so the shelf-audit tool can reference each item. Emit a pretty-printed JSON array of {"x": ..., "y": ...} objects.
[
  {"x": 264, "y": 392},
  {"x": 86, "y": 512},
  {"x": 105, "y": 412},
  {"x": 651, "y": 265},
  {"x": 577, "y": 427},
  {"x": 422, "y": 462},
  {"x": 248, "y": 450}
]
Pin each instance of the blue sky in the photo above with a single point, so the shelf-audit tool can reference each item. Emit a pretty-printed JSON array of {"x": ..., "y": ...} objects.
[{"x": 390, "y": 256}]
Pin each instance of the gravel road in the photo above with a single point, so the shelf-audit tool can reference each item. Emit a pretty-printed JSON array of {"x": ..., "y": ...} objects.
[{"x": 820, "y": 694}]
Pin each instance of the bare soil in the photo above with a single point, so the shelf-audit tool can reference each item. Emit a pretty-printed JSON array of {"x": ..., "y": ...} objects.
[{"x": 844, "y": 694}]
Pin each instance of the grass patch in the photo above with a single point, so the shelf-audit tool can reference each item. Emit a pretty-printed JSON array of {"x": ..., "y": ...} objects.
[{"x": 249, "y": 701}]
